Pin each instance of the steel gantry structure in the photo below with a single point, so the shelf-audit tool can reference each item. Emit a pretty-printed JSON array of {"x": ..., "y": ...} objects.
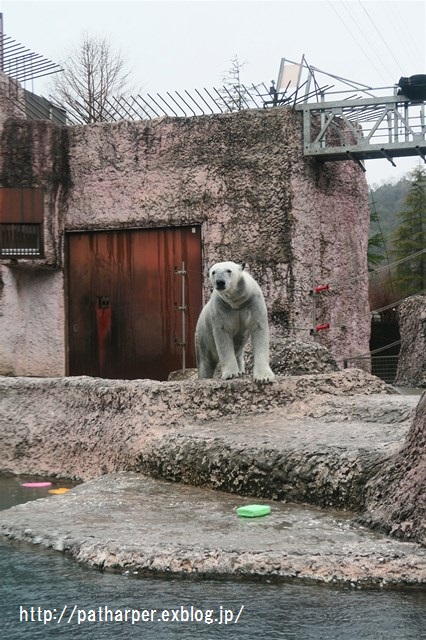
[{"x": 364, "y": 128}]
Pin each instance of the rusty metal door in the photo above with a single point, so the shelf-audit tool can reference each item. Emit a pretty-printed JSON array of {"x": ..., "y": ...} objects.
[{"x": 124, "y": 301}]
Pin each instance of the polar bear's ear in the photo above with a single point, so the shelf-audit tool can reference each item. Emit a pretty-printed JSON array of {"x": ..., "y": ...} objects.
[{"x": 243, "y": 266}]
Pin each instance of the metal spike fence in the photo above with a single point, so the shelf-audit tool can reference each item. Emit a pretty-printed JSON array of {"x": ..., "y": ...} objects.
[
  {"x": 179, "y": 104},
  {"x": 21, "y": 64}
]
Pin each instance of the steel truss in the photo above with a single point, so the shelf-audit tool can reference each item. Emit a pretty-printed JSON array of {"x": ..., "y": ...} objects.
[{"x": 364, "y": 128}]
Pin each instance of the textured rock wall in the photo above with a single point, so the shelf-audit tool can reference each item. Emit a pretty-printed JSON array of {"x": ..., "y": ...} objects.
[
  {"x": 82, "y": 427},
  {"x": 329, "y": 239},
  {"x": 396, "y": 498},
  {"x": 412, "y": 356},
  {"x": 230, "y": 173},
  {"x": 241, "y": 176},
  {"x": 11, "y": 99}
]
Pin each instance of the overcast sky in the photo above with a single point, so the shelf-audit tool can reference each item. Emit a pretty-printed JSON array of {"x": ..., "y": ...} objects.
[{"x": 173, "y": 45}]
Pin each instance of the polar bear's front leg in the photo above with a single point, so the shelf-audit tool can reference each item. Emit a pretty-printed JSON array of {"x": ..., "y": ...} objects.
[
  {"x": 225, "y": 349},
  {"x": 240, "y": 361},
  {"x": 260, "y": 345}
]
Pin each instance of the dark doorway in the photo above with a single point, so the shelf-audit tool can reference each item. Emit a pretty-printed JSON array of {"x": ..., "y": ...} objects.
[
  {"x": 385, "y": 344},
  {"x": 125, "y": 298}
]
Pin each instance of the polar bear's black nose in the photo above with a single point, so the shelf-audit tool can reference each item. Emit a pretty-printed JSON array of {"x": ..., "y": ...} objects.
[{"x": 220, "y": 284}]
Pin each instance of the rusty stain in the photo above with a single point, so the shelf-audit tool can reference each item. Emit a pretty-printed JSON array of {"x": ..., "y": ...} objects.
[{"x": 103, "y": 326}]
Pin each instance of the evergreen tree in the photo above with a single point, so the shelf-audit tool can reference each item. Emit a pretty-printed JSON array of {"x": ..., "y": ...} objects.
[
  {"x": 386, "y": 201},
  {"x": 376, "y": 243},
  {"x": 410, "y": 237}
]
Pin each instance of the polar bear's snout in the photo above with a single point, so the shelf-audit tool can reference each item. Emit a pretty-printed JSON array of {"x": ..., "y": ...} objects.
[{"x": 220, "y": 284}]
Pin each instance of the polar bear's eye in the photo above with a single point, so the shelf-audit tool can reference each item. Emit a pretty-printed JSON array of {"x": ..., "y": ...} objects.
[
  {"x": 213, "y": 272},
  {"x": 228, "y": 271}
]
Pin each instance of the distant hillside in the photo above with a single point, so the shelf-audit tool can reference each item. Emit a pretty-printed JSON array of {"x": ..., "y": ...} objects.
[
  {"x": 386, "y": 201},
  {"x": 398, "y": 218}
]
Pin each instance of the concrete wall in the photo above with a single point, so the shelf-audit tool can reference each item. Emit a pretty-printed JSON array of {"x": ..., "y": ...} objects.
[
  {"x": 241, "y": 175},
  {"x": 32, "y": 323}
]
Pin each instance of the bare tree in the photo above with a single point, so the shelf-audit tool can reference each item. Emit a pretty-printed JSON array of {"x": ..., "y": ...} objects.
[
  {"x": 234, "y": 94},
  {"x": 93, "y": 75}
]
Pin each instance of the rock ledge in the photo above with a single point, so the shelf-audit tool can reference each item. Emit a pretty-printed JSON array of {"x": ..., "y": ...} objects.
[{"x": 128, "y": 522}]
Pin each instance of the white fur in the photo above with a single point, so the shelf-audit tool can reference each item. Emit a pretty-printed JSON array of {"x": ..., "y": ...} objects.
[{"x": 235, "y": 312}]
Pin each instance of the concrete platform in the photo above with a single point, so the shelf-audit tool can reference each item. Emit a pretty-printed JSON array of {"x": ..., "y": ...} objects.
[{"x": 126, "y": 522}]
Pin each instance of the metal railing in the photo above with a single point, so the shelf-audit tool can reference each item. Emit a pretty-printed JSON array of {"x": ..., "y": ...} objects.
[
  {"x": 384, "y": 367},
  {"x": 21, "y": 240},
  {"x": 374, "y": 127}
]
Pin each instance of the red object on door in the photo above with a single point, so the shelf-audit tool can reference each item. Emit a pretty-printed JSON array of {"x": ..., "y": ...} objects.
[{"x": 124, "y": 295}]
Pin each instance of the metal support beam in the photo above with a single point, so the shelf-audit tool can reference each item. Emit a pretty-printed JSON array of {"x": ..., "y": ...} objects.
[
  {"x": 388, "y": 157},
  {"x": 366, "y": 128}
]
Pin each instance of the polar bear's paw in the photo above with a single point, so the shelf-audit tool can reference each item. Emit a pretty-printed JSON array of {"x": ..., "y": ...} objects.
[
  {"x": 229, "y": 375},
  {"x": 263, "y": 376}
]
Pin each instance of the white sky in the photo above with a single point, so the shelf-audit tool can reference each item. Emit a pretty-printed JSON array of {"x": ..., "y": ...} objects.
[{"x": 173, "y": 45}]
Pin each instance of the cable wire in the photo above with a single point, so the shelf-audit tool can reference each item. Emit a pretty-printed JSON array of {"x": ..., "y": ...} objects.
[
  {"x": 372, "y": 353},
  {"x": 406, "y": 41},
  {"x": 367, "y": 40},
  {"x": 398, "y": 302},
  {"x": 308, "y": 288},
  {"x": 380, "y": 35},
  {"x": 356, "y": 41},
  {"x": 402, "y": 29},
  {"x": 400, "y": 261}
]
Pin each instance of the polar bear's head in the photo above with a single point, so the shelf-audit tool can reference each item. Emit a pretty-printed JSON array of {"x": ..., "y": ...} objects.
[{"x": 225, "y": 275}]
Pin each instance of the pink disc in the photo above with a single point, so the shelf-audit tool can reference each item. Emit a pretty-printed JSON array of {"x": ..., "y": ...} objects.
[{"x": 33, "y": 485}]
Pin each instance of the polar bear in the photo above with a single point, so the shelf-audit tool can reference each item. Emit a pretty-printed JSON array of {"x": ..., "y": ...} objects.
[{"x": 235, "y": 312}]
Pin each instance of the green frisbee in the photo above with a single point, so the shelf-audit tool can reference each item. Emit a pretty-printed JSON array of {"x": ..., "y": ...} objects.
[{"x": 253, "y": 510}]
